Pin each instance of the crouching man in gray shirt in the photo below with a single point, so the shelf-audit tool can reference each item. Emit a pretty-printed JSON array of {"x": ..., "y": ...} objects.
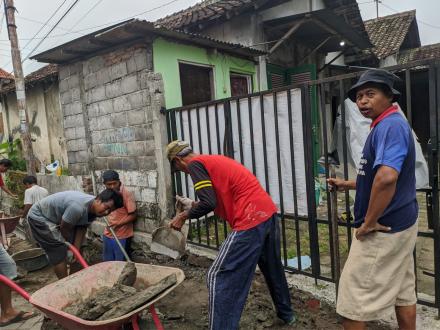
[{"x": 64, "y": 217}]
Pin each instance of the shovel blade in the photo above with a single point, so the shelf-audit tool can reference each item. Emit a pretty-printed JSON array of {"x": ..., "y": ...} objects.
[{"x": 168, "y": 242}]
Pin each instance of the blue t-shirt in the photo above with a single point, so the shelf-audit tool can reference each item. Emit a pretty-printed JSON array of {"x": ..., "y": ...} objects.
[{"x": 389, "y": 143}]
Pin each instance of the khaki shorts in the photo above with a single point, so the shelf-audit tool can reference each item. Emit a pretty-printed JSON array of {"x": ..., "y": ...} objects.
[{"x": 378, "y": 275}]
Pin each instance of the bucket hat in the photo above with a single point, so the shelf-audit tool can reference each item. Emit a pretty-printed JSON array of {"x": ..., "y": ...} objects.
[{"x": 375, "y": 76}]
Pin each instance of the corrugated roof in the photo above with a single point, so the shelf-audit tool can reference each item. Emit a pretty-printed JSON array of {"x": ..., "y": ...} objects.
[
  {"x": 44, "y": 73},
  {"x": 422, "y": 53},
  {"x": 389, "y": 32},
  {"x": 131, "y": 31}
]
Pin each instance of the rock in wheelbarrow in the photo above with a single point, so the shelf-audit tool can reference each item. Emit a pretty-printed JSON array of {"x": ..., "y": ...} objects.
[{"x": 140, "y": 298}]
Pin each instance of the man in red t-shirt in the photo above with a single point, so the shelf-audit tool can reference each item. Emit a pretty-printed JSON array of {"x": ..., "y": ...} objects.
[{"x": 228, "y": 188}]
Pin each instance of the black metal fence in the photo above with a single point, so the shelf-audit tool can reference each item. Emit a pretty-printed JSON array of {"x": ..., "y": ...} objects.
[{"x": 277, "y": 134}]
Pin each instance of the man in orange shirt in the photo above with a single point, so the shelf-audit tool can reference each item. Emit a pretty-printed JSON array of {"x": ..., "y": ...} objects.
[{"x": 121, "y": 219}]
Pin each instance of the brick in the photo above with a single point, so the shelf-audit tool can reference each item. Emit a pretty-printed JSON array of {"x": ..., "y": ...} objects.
[
  {"x": 118, "y": 70},
  {"x": 72, "y": 108},
  {"x": 121, "y": 103},
  {"x": 119, "y": 119},
  {"x": 73, "y": 121},
  {"x": 129, "y": 84},
  {"x": 136, "y": 117},
  {"x": 148, "y": 195}
]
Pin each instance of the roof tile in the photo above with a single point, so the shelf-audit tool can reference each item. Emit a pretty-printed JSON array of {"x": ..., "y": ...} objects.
[{"x": 421, "y": 53}]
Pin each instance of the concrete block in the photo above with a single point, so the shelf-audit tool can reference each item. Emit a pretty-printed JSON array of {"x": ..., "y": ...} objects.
[
  {"x": 73, "y": 121},
  {"x": 79, "y": 169},
  {"x": 71, "y": 157},
  {"x": 152, "y": 179},
  {"x": 73, "y": 81},
  {"x": 115, "y": 163},
  {"x": 80, "y": 132},
  {"x": 118, "y": 70},
  {"x": 147, "y": 163},
  {"x": 119, "y": 119},
  {"x": 113, "y": 89},
  {"x": 149, "y": 195},
  {"x": 65, "y": 97},
  {"x": 93, "y": 110},
  {"x": 76, "y": 94},
  {"x": 102, "y": 150},
  {"x": 105, "y": 107},
  {"x": 121, "y": 103},
  {"x": 90, "y": 81},
  {"x": 101, "y": 163},
  {"x": 63, "y": 85},
  {"x": 130, "y": 164},
  {"x": 95, "y": 94},
  {"x": 149, "y": 148},
  {"x": 100, "y": 123},
  {"x": 137, "y": 193},
  {"x": 95, "y": 64},
  {"x": 129, "y": 84},
  {"x": 140, "y": 133},
  {"x": 82, "y": 156},
  {"x": 103, "y": 76},
  {"x": 76, "y": 67},
  {"x": 76, "y": 145},
  {"x": 72, "y": 108},
  {"x": 136, "y": 148},
  {"x": 136, "y": 117},
  {"x": 136, "y": 100},
  {"x": 70, "y": 133},
  {"x": 63, "y": 72}
]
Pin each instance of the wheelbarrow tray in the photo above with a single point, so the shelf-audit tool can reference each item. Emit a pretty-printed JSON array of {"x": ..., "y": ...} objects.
[{"x": 54, "y": 297}]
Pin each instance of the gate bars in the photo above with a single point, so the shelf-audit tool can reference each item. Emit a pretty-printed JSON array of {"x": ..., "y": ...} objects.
[{"x": 271, "y": 133}]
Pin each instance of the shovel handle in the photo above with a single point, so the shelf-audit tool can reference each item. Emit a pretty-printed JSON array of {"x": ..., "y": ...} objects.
[{"x": 77, "y": 255}]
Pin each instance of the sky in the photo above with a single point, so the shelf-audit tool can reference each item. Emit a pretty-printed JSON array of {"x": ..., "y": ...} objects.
[{"x": 90, "y": 15}]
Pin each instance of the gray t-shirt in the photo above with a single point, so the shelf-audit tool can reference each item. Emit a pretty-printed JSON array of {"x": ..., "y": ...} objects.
[{"x": 70, "y": 206}]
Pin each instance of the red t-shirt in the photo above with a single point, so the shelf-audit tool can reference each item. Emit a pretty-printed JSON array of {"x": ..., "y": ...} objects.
[{"x": 241, "y": 200}]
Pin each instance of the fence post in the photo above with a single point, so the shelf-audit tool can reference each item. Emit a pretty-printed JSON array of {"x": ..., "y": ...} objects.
[{"x": 228, "y": 142}]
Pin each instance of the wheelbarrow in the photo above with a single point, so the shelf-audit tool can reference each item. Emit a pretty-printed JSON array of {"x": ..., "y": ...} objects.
[{"x": 53, "y": 298}]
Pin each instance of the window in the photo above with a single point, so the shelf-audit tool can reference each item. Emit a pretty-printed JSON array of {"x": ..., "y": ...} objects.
[
  {"x": 196, "y": 83},
  {"x": 241, "y": 84}
]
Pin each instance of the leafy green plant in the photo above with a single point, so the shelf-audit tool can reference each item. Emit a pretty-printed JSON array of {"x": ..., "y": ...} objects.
[{"x": 12, "y": 150}]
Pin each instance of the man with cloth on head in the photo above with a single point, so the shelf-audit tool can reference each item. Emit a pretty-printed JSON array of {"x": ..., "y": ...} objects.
[
  {"x": 228, "y": 188},
  {"x": 121, "y": 219},
  {"x": 64, "y": 217},
  {"x": 378, "y": 276}
]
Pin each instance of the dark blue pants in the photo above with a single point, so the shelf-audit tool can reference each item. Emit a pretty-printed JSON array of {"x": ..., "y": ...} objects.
[
  {"x": 230, "y": 276},
  {"x": 112, "y": 252}
]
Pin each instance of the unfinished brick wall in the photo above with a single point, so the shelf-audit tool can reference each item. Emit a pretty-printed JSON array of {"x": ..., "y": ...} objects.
[{"x": 111, "y": 104}]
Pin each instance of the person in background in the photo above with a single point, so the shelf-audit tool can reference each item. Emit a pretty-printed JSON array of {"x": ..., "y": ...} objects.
[
  {"x": 121, "y": 219},
  {"x": 5, "y": 165},
  {"x": 33, "y": 193},
  {"x": 63, "y": 218},
  {"x": 9, "y": 314}
]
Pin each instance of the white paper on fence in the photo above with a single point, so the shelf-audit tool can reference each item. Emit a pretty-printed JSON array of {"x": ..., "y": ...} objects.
[
  {"x": 357, "y": 130},
  {"x": 255, "y": 134}
]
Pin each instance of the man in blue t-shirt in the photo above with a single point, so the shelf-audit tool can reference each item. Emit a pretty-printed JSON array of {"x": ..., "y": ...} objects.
[{"x": 379, "y": 273}]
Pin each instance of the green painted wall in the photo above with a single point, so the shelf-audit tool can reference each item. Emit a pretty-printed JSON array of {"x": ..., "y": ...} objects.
[{"x": 166, "y": 57}]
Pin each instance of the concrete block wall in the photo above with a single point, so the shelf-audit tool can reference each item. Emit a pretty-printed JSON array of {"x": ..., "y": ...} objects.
[{"x": 111, "y": 105}]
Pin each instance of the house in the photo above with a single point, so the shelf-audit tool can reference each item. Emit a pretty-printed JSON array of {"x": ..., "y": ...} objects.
[
  {"x": 390, "y": 36},
  {"x": 45, "y": 119},
  {"x": 296, "y": 34},
  {"x": 114, "y": 83}
]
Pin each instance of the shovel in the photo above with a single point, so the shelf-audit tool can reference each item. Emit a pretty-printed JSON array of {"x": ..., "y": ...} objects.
[{"x": 168, "y": 241}]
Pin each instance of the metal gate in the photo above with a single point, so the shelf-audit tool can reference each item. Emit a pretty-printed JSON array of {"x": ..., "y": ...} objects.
[{"x": 272, "y": 134}]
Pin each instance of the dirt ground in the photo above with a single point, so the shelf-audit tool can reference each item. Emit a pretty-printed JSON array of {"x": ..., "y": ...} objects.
[{"x": 187, "y": 306}]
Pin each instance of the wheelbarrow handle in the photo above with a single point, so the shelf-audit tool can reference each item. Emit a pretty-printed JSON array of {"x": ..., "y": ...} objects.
[
  {"x": 77, "y": 255},
  {"x": 15, "y": 287}
]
